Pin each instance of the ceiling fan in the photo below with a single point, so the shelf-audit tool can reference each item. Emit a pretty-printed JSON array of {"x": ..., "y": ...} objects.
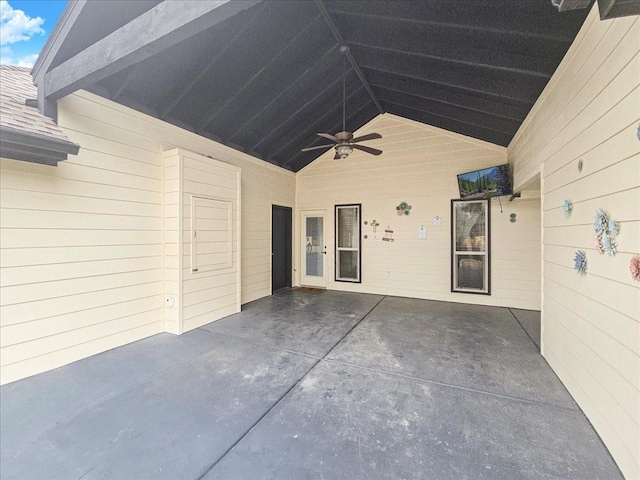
[{"x": 344, "y": 142}]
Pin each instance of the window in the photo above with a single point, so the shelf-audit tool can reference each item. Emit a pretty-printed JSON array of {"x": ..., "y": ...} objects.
[
  {"x": 348, "y": 243},
  {"x": 470, "y": 246}
]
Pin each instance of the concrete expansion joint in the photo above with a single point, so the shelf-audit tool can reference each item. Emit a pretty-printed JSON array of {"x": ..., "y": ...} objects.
[
  {"x": 521, "y": 326},
  {"x": 262, "y": 417},
  {"x": 259, "y": 344},
  {"x": 416, "y": 377},
  {"x": 449, "y": 385},
  {"x": 353, "y": 328},
  {"x": 286, "y": 394}
]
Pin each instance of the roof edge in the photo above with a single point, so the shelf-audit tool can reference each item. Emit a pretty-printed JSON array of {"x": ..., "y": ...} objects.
[
  {"x": 52, "y": 45},
  {"x": 32, "y": 147}
]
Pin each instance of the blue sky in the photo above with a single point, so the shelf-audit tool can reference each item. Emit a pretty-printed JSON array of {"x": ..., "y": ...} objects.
[{"x": 24, "y": 28}]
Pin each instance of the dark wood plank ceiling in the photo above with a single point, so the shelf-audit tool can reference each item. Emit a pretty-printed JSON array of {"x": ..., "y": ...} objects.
[{"x": 268, "y": 79}]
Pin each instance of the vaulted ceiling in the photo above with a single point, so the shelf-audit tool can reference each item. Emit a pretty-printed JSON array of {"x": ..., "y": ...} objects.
[{"x": 267, "y": 79}]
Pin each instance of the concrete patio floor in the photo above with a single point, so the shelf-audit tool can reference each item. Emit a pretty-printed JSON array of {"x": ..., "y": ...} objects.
[{"x": 309, "y": 385}]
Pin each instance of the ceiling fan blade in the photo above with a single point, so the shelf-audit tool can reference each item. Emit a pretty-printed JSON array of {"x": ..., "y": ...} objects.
[
  {"x": 372, "y": 151},
  {"x": 328, "y": 137},
  {"x": 369, "y": 136},
  {"x": 317, "y": 147}
]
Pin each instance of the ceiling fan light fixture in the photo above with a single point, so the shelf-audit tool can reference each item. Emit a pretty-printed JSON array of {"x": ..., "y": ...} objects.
[{"x": 343, "y": 151}]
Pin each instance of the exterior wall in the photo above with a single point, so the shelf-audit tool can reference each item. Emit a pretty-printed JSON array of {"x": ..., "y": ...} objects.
[
  {"x": 591, "y": 331},
  {"x": 172, "y": 286},
  {"x": 81, "y": 259},
  {"x": 419, "y": 165},
  {"x": 204, "y": 296}
]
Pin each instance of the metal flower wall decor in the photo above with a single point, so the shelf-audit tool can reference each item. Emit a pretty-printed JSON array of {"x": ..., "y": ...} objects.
[
  {"x": 580, "y": 261},
  {"x": 600, "y": 222},
  {"x": 634, "y": 267},
  {"x": 403, "y": 209},
  {"x": 567, "y": 207},
  {"x": 599, "y": 246},
  {"x": 606, "y": 231}
]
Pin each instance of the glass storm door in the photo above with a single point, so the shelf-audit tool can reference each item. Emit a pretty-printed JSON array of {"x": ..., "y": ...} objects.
[{"x": 314, "y": 249}]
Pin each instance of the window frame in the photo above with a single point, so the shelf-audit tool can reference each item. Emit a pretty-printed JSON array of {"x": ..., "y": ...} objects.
[
  {"x": 338, "y": 249},
  {"x": 486, "y": 254}
]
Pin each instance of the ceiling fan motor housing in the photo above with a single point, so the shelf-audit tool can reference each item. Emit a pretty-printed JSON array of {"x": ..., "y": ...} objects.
[{"x": 344, "y": 136}]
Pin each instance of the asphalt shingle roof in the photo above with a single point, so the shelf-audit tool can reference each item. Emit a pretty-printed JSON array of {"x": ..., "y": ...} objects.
[{"x": 16, "y": 87}]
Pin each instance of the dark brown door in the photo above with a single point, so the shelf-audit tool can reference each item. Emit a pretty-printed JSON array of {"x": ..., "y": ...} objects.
[{"x": 281, "y": 247}]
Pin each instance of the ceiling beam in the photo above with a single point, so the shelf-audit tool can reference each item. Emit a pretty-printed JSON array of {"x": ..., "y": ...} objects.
[
  {"x": 566, "y": 5},
  {"x": 618, "y": 8},
  {"x": 500, "y": 125},
  {"x": 134, "y": 104},
  {"x": 172, "y": 23},
  {"x": 454, "y": 86},
  {"x": 312, "y": 129},
  {"x": 488, "y": 60},
  {"x": 421, "y": 112},
  {"x": 332, "y": 86},
  {"x": 510, "y": 124},
  {"x": 519, "y": 20},
  {"x": 501, "y": 91},
  {"x": 452, "y": 124},
  {"x": 338, "y": 36},
  {"x": 219, "y": 109},
  {"x": 283, "y": 93},
  {"x": 216, "y": 58},
  {"x": 448, "y": 96},
  {"x": 123, "y": 85}
]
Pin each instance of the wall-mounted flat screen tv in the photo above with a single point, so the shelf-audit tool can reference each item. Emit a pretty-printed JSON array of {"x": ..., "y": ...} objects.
[{"x": 488, "y": 182}]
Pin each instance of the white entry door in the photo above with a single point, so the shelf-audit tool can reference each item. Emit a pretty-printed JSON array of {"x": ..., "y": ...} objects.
[{"x": 314, "y": 249}]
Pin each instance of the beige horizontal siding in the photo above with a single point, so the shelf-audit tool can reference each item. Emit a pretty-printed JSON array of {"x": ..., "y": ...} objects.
[
  {"x": 171, "y": 247},
  {"x": 84, "y": 262},
  {"x": 419, "y": 165},
  {"x": 80, "y": 257},
  {"x": 209, "y": 295},
  {"x": 590, "y": 111}
]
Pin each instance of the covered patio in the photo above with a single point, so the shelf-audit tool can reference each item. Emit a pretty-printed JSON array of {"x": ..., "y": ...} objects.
[{"x": 310, "y": 385}]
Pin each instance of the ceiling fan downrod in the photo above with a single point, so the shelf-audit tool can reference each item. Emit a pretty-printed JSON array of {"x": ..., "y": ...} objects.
[
  {"x": 344, "y": 50},
  {"x": 345, "y": 143}
]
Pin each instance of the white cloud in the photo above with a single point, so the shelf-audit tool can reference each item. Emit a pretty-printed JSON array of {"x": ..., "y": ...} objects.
[
  {"x": 7, "y": 58},
  {"x": 27, "y": 61},
  {"x": 16, "y": 26}
]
